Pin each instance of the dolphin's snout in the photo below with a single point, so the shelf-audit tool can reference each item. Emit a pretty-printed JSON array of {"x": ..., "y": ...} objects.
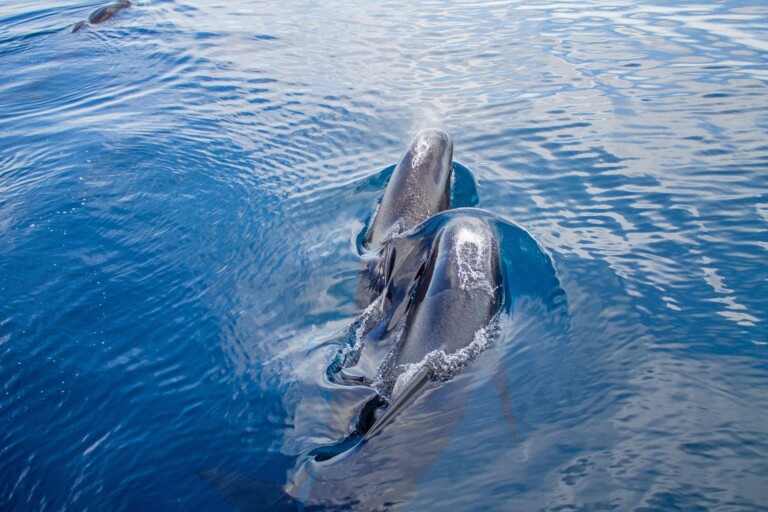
[
  {"x": 434, "y": 135},
  {"x": 431, "y": 153},
  {"x": 432, "y": 142}
]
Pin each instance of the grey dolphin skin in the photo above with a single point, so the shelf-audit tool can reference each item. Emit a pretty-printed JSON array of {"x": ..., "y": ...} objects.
[
  {"x": 419, "y": 187},
  {"x": 439, "y": 289},
  {"x": 458, "y": 292},
  {"x": 457, "y": 296},
  {"x": 103, "y": 13}
]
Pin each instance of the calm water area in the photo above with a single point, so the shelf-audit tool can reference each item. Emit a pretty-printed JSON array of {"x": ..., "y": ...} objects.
[{"x": 183, "y": 190}]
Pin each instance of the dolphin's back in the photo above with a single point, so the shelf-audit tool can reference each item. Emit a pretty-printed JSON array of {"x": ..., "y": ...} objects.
[
  {"x": 104, "y": 13},
  {"x": 459, "y": 292}
]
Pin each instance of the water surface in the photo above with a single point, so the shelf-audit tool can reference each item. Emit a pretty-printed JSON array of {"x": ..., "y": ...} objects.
[{"x": 181, "y": 193}]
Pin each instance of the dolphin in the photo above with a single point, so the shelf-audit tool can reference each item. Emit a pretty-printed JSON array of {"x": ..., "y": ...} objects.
[
  {"x": 441, "y": 283},
  {"x": 103, "y": 13},
  {"x": 449, "y": 318},
  {"x": 453, "y": 286},
  {"x": 418, "y": 188}
]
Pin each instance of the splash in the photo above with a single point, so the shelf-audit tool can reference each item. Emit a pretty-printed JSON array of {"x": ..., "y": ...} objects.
[
  {"x": 350, "y": 353},
  {"x": 441, "y": 366}
]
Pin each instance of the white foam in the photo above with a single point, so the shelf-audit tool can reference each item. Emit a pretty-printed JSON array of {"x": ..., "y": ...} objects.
[
  {"x": 383, "y": 377},
  {"x": 443, "y": 366},
  {"x": 363, "y": 326},
  {"x": 375, "y": 214},
  {"x": 404, "y": 378}
]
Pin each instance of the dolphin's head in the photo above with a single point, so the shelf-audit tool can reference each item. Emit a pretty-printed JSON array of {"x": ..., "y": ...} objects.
[
  {"x": 430, "y": 155},
  {"x": 125, "y": 3},
  {"x": 419, "y": 187}
]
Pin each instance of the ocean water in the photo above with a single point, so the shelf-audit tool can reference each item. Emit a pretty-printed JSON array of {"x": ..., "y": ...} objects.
[{"x": 182, "y": 194}]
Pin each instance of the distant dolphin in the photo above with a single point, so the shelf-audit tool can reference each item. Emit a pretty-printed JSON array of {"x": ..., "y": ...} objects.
[
  {"x": 418, "y": 188},
  {"x": 103, "y": 13}
]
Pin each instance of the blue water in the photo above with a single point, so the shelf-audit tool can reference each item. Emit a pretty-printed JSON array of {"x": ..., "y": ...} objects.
[{"x": 182, "y": 190}]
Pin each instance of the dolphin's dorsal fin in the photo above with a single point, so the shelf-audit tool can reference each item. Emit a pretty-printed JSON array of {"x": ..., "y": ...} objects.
[{"x": 408, "y": 393}]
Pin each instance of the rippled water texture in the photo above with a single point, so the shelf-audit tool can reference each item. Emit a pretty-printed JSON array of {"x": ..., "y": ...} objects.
[{"x": 183, "y": 188}]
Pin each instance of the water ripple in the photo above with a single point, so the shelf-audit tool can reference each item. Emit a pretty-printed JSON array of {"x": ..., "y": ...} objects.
[{"x": 183, "y": 186}]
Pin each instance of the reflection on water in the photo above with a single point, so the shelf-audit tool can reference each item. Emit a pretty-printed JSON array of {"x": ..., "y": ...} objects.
[{"x": 181, "y": 193}]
